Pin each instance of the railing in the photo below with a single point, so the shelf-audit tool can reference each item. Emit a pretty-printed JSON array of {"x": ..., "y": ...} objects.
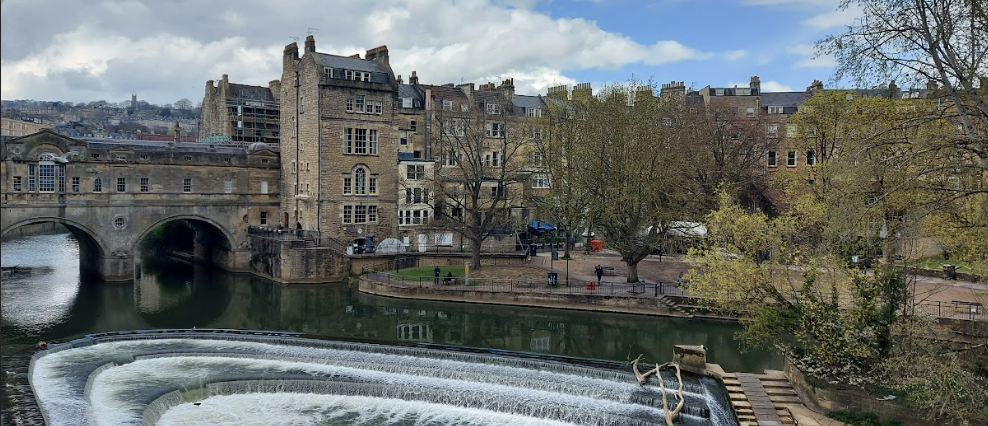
[
  {"x": 972, "y": 311},
  {"x": 529, "y": 285}
]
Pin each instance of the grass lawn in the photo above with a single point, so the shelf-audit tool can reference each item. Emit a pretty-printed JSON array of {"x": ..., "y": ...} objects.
[
  {"x": 935, "y": 262},
  {"x": 429, "y": 272}
]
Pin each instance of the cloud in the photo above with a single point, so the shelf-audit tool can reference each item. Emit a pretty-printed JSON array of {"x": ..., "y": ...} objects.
[
  {"x": 774, "y": 86},
  {"x": 835, "y": 18},
  {"x": 806, "y": 57},
  {"x": 735, "y": 55},
  {"x": 167, "y": 50}
]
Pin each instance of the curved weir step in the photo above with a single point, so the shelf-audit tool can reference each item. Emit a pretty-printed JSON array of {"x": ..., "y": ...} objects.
[{"x": 178, "y": 377}]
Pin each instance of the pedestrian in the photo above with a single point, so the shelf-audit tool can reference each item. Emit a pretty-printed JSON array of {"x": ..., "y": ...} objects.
[
  {"x": 437, "y": 271},
  {"x": 600, "y": 273}
]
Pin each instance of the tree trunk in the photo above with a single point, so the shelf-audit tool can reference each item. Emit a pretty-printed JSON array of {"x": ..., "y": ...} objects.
[
  {"x": 475, "y": 248},
  {"x": 632, "y": 271}
]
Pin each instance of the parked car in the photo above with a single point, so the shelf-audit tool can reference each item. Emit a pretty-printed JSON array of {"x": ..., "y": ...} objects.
[{"x": 860, "y": 261}]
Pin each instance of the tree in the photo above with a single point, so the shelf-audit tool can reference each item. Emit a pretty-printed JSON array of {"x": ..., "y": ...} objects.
[
  {"x": 183, "y": 104},
  {"x": 482, "y": 170},
  {"x": 635, "y": 157}
]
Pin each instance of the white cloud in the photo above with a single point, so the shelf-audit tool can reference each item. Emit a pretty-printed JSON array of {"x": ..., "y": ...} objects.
[
  {"x": 835, "y": 18},
  {"x": 164, "y": 52},
  {"x": 806, "y": 57},
  {"x": 774, "y": 86},
  {"x": 735, "y": 55}
]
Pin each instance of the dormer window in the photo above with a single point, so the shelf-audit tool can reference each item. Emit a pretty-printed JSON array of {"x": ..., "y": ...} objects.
[
  {"x": 774, "y": 109},
  {"x": 447, "y": 105},
  {"x": 493, "y": 108},
  {"x": 357, "y": 75}
]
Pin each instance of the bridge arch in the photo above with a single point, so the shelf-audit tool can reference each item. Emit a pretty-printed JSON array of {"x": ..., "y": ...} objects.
[
  {"x": 92, "y": 247},
  {"x": 214, "y": 243}
]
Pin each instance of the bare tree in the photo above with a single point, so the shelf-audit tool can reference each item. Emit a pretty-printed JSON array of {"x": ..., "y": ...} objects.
[{"x": 482, "y": 172}]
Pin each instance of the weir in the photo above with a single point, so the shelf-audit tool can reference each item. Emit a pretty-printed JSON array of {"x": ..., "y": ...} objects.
[{"x": 173, "y": 377}]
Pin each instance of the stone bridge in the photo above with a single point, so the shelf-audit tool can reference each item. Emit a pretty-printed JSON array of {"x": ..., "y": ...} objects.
[{"x": 112, "y": 194}]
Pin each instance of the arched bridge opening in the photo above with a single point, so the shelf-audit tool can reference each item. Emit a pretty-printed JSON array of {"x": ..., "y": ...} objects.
[
  {"x": 92, "y": 250},
  {"x": 192, "y": 239}
]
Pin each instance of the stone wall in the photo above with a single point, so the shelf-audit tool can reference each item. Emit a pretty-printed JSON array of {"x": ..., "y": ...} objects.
[
  {"x": 288, "y": 261},
  {"x": 823, "y": 399}
]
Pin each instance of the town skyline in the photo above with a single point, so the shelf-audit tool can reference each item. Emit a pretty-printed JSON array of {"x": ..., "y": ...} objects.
[{"x": 110, "y": 50}]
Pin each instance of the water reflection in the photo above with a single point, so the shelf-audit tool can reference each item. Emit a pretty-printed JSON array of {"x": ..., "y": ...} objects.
[{"x": 172, "y": 294}]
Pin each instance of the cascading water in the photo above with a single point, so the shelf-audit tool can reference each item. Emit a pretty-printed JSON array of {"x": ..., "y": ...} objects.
[{"x": 195, "y": 377}]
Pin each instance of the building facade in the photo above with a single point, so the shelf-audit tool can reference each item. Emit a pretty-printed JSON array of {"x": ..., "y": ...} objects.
[{"x": 240, "y": 114}]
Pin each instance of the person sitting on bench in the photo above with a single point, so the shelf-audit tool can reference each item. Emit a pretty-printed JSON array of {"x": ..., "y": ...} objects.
[{"x": 449, "y": 278}]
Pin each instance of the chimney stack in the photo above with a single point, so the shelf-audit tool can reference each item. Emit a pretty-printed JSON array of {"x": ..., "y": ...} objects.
[
  {"x": 378, "y": 54},
  {"x": 413, "y": 79},
  {"x": 755, "y": 85},
  {"x": 582, "y": 91},
  {"x": 816, "y": 86},
  {"x": 275, "y": 87},
  {"x": 560, "y": 92},
  {"x": 310, "y": 43}
]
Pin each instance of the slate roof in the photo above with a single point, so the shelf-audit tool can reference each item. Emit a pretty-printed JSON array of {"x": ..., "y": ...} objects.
[
  {"x": 528, "y": 101},
  {"x": 784, "y": 99},
  {"x": 347, "y": 63},
  {"x": 409, "y": 91},
  {"x": 251, "y": 92}
]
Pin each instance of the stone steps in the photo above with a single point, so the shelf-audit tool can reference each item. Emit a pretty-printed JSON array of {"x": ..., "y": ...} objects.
[{"x": 760, "y": 399}]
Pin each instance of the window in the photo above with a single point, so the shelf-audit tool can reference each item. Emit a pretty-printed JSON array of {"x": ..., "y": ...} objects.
[
  {"x": 301, "y": 104},
  {"x": 294, "y": 169},
  {"x": 404, "y": 137},
  {"x": 121, "y": 184},
  {"x": 453, "y": 128},
  {"x": 406, "y": 102},
  {"x": 533, "y": 112},
  {"x": 359, "y": 141},
  {"x": 416, "y": 196},
  {"x": 75, "y": 184},
  {"x": 811, "y": 158},
  {"x": 451, "y": 159},
  {"x": 97, "y": 185},
  {"x": 413, "y": 126},
  {"x": 264, "y": 187},
  {"x": 145, "y": 157},
  {"x": 493, "y": 108},
  {"x": 61, "y": 177},
  {"x": 145, "y": 184},
  {"x": 492, "y": 159},
  {"x": 264, "y": 218},
  {"x": 347, "y": 185},
  {"x": 359, "y": 104},
  {"x": 94, "y": 156},
  {"x": 378, "y": 108},
  {"x": 413, "y": 217},
  {"x": 372, "y": 185},
  {"x": 187, "y": 185},
  {"x": 228, "y": 186},
  {"x": 415, "y": 172},
  {"x": 775, "y": 109},
  {"x": 17, "y": 183},
  {"x": 791, "y": 159},
  {"x": 46, "y": 176},
  {"x": 359, "y": 214},
  {"x": 188, "y": 158},
  {"x": 447, "y": 105},
  {"x": 773, "y": 130},
  {"x": 497, "y": 191},
  {"x": 540, "y": 180},
  {"x": 535, "y": 159},
  {"x": 750, "y": 112},
  {"x": 360, "y": 178},
  {"x": 32, "y": 180},
  {"x": 349, "y": 105},
  {"x": 265, "y": 161},
  {"x": 495, "y": 130},
  {"x": 773, "y": 161},
  {"x": 790, "y": 130}
]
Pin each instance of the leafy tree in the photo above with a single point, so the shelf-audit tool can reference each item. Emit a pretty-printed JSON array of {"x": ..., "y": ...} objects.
[
  {"x": 183, "y": 104},
  {"x": 635, "y": 158}
]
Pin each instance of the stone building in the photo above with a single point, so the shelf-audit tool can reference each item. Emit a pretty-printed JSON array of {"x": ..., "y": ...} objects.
[
  {"x": 240, "y": 114},
  {"x": 13, "y": 127},
  {"x": 342, "y": 142}
]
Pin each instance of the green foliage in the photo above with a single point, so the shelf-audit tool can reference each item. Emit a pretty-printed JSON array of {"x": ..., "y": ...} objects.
[{"x": 858, "y": 418}]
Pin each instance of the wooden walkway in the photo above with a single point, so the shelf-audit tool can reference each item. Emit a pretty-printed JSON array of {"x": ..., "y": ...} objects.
[{"x": 761, "y": 399}]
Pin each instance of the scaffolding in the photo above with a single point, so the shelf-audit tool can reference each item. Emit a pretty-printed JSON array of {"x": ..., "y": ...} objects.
[{"x": 253, "y": 120}]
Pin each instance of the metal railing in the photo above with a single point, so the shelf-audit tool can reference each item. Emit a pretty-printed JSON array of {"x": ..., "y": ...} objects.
[
  {"x": 529, "y": 285},
  {"x": 972, "y": 311}
]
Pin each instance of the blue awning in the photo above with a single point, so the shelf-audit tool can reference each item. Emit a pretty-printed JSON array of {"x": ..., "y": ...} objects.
[{"x": 540, "y": 226}]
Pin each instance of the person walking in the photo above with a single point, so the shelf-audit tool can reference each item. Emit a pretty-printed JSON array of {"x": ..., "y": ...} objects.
[
  {"x": 437, "y": 271},
  {"x": 600, "y": 273}
]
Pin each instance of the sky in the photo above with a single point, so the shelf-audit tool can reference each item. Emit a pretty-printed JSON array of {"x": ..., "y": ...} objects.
[{"x": 82, "y": 51}]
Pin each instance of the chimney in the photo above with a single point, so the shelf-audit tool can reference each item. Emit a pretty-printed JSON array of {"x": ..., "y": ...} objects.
[
  {"x": 275, "y": 87},
  {"x": 893, "y": 90},
  {"x": 932, "y": 85},
  {"x": 560, "y": 92},
  {"x": 290, "y": 55},
  {"x": 816, "y": 86},
  {"x": 178, "y": 132},
  {"x": 400, "y": 81},
  {"x": 582, "y": 91},
  {"x": 413, "y": 79},
  {"x": 508, "y": 88},
  {"x": 467, "y": 88},
  {"x": 310, "y": 43},
  {"x": 755, "y": 85},
  {"x": 354, "y": 56},
  {"x": 378, "y": 54}
]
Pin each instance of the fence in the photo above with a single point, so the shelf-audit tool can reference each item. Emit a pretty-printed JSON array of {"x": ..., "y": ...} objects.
[
  {"x": 972, "y": 311},
  {"x": 528, "y": 285}
]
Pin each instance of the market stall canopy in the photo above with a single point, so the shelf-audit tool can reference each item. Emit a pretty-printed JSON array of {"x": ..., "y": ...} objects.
[{"x": 537, "y": 227}]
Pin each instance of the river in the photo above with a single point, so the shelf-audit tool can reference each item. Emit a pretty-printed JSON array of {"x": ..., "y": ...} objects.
[{"x": 52, "y": 302}]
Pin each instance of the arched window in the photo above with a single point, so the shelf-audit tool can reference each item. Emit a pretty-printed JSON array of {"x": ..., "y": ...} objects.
[
  {"x": 97, "y": 185},
  {"x": 360, "y": 179},
  {"x": 46, "y": 173}
]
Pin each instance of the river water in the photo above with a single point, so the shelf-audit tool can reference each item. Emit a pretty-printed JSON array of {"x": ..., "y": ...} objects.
[{"x": 52, "y": 302}]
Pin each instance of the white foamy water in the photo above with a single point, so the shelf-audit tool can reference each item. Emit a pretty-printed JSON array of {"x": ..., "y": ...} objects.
[
  {"x": 274, "y": 380},
  {"x": 308, "y": 409}
]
